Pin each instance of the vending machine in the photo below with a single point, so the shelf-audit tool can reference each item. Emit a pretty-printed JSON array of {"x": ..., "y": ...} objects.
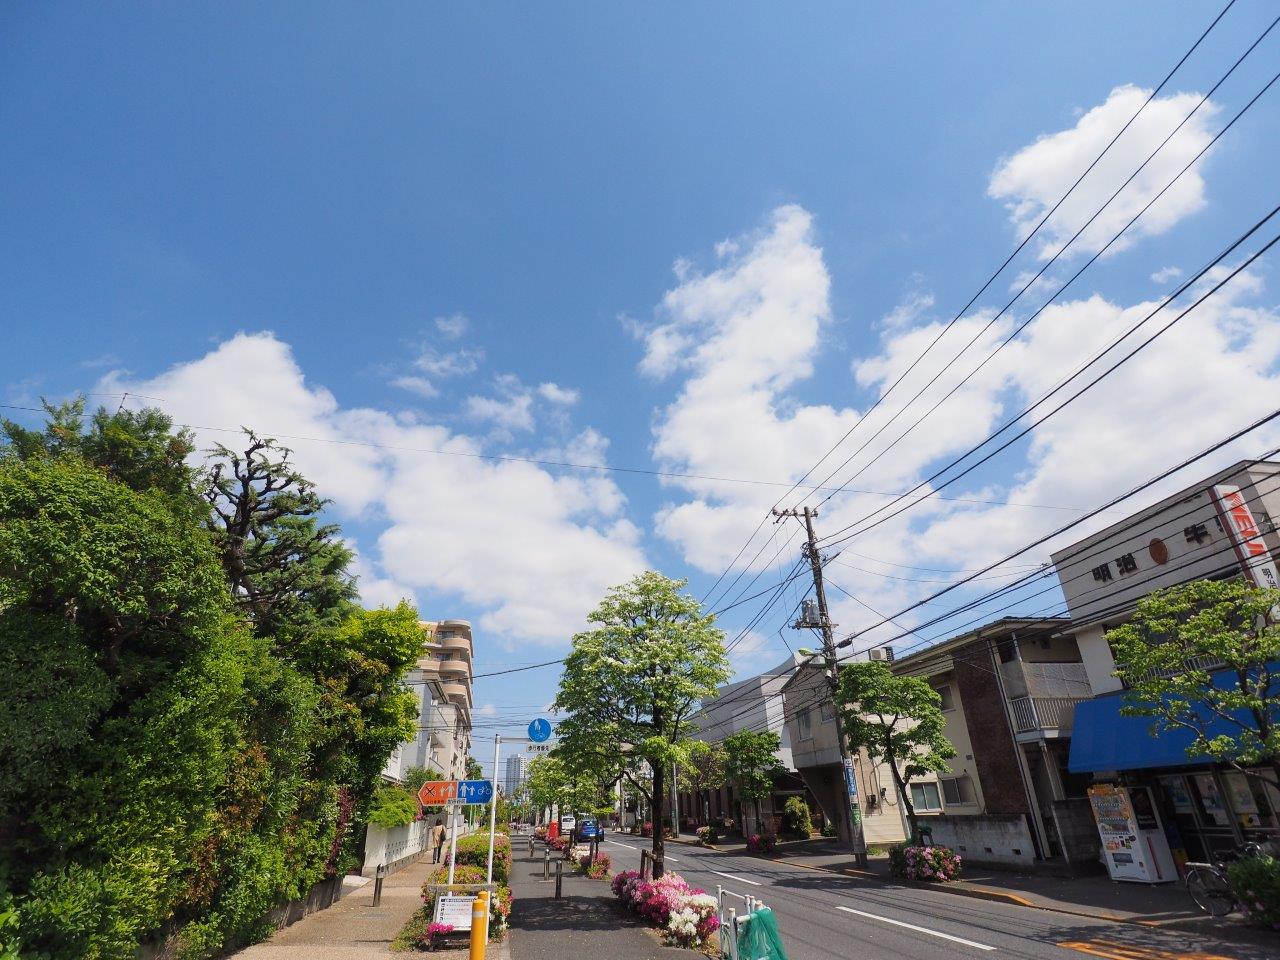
[{"x": 1133, "y": 840}]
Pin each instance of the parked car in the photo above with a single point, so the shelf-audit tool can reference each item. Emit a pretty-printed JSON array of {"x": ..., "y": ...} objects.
[
  {"x": 567, "y": 822},
  {"x": 589, "y": 828}
]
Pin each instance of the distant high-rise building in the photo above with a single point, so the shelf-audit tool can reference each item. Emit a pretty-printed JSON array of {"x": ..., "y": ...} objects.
[{"x": 517, "y": 768}]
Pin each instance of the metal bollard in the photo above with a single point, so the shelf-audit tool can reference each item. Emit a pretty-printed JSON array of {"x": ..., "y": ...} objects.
[
  {"x": 546, "y": 864},
  {"x": 377, "y": 883},
  {"x": 559, "y": 872},
  {"x": 479, "y": 925}
]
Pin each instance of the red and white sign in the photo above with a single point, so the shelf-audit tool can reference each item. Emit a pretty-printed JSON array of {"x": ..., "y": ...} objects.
[
  {"x": 1245, "y": 533},
  {"x": 436, "y": 793}
]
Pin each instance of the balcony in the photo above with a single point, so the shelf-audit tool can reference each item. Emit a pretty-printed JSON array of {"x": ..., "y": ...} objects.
[
  {"x": 1023, "y": 678},
  {"x": 458, "y": 667},
  {"x": 457, "y": 692},
  {"x": 453, "y": 642},
  {"x": 1047, "y": 716}
]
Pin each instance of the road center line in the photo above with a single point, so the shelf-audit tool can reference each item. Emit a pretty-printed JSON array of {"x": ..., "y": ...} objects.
[
  {"x": 734, "y": 876},
  {"x": 636, "y": 849},
  {"x": 912, "y": 926}
]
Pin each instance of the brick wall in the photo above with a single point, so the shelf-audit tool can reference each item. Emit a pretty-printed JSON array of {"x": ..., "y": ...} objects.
[{"x": 992, "y": 743}]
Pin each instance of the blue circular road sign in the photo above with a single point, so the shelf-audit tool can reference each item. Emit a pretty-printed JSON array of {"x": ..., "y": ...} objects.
[{"x": 540, "y": 730}]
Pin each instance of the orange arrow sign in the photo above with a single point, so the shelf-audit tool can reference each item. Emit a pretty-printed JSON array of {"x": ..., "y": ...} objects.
[{"x": 435, "y": 793}]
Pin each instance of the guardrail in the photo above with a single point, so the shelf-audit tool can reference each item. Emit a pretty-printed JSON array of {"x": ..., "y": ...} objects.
[{"x": 732, "y": 922}]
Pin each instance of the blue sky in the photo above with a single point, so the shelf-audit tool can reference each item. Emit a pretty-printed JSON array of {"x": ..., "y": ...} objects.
[{"x": 290, "y": 197}]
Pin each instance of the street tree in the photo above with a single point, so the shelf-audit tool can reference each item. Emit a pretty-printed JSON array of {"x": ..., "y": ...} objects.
[
  {"x": 897, "y": 720},
  {"x": 751, "y": 764},
  {"x": 1202, "y": 657},
  {"x": 632, "y": 682},
  {"x": 704, "y": 769}
]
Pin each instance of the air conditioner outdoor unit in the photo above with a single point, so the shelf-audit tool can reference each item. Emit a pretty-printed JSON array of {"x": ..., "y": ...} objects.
[{"x": 881, "y": 653}]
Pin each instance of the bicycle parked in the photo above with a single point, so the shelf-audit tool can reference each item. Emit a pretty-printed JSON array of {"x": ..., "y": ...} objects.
[{"x": 1208, "y": 886}]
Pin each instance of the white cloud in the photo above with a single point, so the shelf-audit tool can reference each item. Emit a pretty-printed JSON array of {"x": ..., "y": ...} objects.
[
  {"x": 453, "y": 326},
  {"x": 419, "y": 385},
  {"x": 456, "y": 363},
  {"x": 561, "y": 396},
  {"x": 1165, "y": 274},
  {"x": 1034, "y": 178},
  {"x": 506, "y": 413},
  {"x": 487, "y": 710},
  {"x": 525, "y": 553}
]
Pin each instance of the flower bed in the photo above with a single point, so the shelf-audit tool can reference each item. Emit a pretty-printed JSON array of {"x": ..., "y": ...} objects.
[
  {"x": 707, "y": 836},
  {"x": 685, "y": 915},
  {"x": 558, "y": 843},
  {"x": 597, "y": 869},
  {"x": 935, "y": 864},
  {"x": 761, "y": 843},
  {"x": 500, "y": 904}
]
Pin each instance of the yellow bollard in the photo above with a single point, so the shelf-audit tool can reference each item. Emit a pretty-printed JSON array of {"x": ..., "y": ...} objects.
[{"x": 479, "y": 925}]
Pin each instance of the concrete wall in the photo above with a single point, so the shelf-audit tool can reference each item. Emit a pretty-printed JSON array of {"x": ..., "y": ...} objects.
[
  {"x": 383, "y": 846},
  {"x": 987, "y": 839},
  {"x": 1078, "y": 830}
]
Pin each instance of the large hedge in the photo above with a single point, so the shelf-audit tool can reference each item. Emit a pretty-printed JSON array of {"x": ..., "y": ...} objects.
[{"x": 170, "y": 770}]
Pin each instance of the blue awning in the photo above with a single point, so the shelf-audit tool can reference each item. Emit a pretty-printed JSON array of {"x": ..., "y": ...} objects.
[{"x": 1104, "y": 739}]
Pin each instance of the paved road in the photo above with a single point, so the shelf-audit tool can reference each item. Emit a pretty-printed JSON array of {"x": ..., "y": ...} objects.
[{"x": 825, "y": 916}]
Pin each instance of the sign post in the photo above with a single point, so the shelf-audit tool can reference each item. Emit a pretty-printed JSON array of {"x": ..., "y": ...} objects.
[{"x": 493, "y": 807}]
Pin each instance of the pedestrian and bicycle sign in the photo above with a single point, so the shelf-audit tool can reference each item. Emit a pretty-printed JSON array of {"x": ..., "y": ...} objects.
[
  {"x": 436, "y": 793},
  {"x": 540, "y": 730}
]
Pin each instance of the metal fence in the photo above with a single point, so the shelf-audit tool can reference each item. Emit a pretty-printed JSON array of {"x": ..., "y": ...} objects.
[{"x": 731, "y": 921}]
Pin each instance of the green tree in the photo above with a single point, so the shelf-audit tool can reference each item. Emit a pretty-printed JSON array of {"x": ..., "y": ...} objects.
[
  {"x": 1202, "y": 657},
  {"x": 632, "y": 682},
  {"x": 138, "y": 448},
  {"x": 703, "y": 768},
  {"x": 415, "y": 777},
  {"x": 474, "y": 770},
  {"x": 896, "y": 719},
  {"x": 751, "y": 764},
  {"x": 286, "y": 569}
]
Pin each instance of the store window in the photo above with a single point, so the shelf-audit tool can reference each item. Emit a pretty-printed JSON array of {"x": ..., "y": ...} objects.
[
  {"x": 1249, "y": 802},
  {"x": 925, "y": 797}
]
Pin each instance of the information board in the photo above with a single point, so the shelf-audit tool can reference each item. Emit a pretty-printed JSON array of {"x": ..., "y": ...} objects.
[{"x": 455, "y": 911}]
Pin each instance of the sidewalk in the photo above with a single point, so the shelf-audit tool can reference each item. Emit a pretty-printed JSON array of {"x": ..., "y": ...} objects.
[
  {"x": 1162, "y": 905},
  {"x": 351, "y": 929},
  {"x": 586, "y": 923}
]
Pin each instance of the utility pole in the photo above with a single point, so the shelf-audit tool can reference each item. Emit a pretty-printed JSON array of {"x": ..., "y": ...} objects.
[{"x": 849, "y": 782}]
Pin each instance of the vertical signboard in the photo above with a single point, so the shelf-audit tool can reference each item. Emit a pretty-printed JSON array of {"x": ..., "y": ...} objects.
[{"x": 1245, "y": 534}]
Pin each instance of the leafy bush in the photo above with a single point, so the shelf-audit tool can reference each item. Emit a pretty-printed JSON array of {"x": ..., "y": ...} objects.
[
  {"x": 392, "y": 806},
  {"x": 686, "y": 915},
  {"x": 829, "y": 829},
  {"x": 796, "y": 817},
  {"x": 761, "y": 843},
  {"x": 473, "y": 850},
  {"x": 597, "y": 868},
  {"x": 707, "y": 836},
  {"x": 1256, "y": 884},
  {"x": 935, "y": 864}
]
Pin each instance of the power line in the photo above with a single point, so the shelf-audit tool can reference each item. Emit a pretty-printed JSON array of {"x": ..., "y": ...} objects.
[
  {"x": 999, "y": 270},
  {"x": 1071, "y": 398}
]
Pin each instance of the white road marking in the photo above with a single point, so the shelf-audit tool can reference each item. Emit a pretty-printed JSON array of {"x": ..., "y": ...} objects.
[
  {"x": 637, "y": 849},
  {"x": 912, "y": 926},
  {"x": 734, "y": 876}
]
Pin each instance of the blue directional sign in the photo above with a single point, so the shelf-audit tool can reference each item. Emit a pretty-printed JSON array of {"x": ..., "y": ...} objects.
[
  {"x": 474, "y": 791},
  {"x": 540, "y": 730}
]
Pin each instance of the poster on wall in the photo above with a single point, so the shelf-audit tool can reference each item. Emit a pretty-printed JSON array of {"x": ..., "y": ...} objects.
[
  {"x": 1211, "y": 804},
  {"x": 1175, "y": 788}
]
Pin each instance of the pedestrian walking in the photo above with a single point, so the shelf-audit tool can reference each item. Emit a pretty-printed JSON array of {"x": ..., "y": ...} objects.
[{"x": 437, "y": 841}]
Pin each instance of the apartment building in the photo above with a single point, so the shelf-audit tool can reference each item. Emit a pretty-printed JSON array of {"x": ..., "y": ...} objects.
[
  {"x": 810, "y": 717},
  {"x": 1221, "y": 527},
  {"x": 1008, "y": 693},
  {"x": 442, "y": 681},
  {"x": 517, "y": 771}
]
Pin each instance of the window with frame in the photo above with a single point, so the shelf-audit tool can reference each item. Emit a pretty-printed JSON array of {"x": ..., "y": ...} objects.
[
  {"x": 925, "y": 797},
  {"x": 948, "y": 698},
  {"x": 957, "y": 790},
  {"x": 805, "y": 721},
  {"x": 827, "y": 712}
]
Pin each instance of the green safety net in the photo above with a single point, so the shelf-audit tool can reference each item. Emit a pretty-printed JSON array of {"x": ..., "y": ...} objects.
[{"x": 758, "y": 938}]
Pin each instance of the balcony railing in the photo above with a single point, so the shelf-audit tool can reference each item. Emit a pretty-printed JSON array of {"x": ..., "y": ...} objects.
[{"x": 1044, "y": 713}]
